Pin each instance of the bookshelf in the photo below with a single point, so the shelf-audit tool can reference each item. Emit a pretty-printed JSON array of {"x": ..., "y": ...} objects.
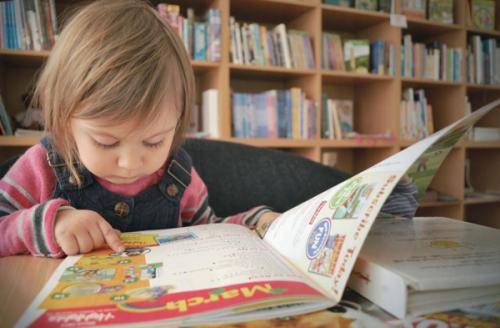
[{"x": 376, "y": 97}]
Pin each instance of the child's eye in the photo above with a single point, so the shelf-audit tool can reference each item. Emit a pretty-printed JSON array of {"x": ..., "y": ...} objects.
[
  {"x": 153, "y": 145},
  {"x": 105, "y": 146}
]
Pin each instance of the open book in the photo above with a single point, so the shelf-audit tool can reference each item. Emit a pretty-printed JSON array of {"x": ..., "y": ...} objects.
[{"x": 224, "y": 273}]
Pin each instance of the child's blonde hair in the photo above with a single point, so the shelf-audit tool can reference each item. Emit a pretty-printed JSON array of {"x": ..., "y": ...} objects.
[{"x": 116, "y": 60}]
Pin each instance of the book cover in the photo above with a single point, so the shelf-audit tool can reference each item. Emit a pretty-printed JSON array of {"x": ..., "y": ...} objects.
[
  {"x": 413, "y": 8},
  {"x": 366, "y": 4},
  {"x": 345, "y": 112},
  {"x": 357, "y": 55},
  {"x": 200, "y": 41},
  {"x": 343, "y": 3},
  {"x": 441, "y": 11},
  {"x": 483, "y": 14}
]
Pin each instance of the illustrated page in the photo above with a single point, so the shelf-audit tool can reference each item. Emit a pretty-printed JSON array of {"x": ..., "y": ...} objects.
[{"x": 169, "y": 274}]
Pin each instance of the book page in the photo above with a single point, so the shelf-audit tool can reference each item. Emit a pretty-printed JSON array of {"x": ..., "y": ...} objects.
[
  {"x": 324, "y": 235},
  {"x": 173, "y": 274}
]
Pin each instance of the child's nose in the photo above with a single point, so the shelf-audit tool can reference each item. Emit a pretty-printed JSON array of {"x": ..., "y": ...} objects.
[{"x": 130, "y": 159}]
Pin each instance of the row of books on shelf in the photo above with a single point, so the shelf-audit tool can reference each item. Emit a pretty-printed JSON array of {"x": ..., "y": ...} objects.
[
  {"x": 202, "y": 38},
  {"x": 28, "y": 24},
  {"x": 416, "y": 120},
  {"x": 434, "y": 60},
  {"x": 434, "y": 10},
  {"x": 483, "y": 61},
  {"x": 255, "y": 44},
  {"x": 479, "y": 13},
  {"x": 337, "y": 118},
  {"x": 274, "y": 114},
  {"x": 360, "y": 55}
]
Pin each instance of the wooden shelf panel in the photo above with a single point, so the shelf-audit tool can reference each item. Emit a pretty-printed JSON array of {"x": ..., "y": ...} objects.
[
  {"x": 310, "y": 143},
  {"x": 204, "y": 66},
  {"x": 423, "y": 82},
  {"x": 268, "y": 72},
  {"x": 482, "y": 87},
  {"x": 437, "y": 203},
  {"x": 339, "y": 18},
  {"x": 482, "y": 144},
  {"x": 482, "y": 200},
  {"x": 423, "y": 27},
  {"x": 31, "y": 58},
  {"x": 13, "y": 141},
  {"x": 23, "y": 57},
  {"x": 269, "y": 11},
  {"x": 275, "y": 143},
  {"x": 488, "y": 33},
  {"x": 344, "y": 77}
]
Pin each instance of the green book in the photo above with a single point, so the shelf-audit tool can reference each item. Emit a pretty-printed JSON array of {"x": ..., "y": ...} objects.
[
  {"x": 366, "y": 4},
  {"x": 357, "y": 55},
  {"x": 441, "y": 11},
  {"x": 483, "y": 14}
]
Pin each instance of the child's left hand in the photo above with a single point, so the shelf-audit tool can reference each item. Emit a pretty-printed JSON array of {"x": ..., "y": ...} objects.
[{"x": 265, "y": 222}]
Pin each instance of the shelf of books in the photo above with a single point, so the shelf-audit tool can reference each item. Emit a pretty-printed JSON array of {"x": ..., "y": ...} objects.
[{"x": 343, "y": 82}]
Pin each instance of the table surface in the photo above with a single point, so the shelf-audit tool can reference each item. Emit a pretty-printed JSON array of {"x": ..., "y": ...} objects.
[{"x": 21, "y": 278}]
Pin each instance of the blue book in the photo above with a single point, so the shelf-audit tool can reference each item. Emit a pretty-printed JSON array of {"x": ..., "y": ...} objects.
[
  {"x": 200, "y": 41},
  {"x": 260, "y": 116},
  {"x": 288, "y": 114},
  {"x": 236, "y": 112},
  {"x": 281, "y": 114}
]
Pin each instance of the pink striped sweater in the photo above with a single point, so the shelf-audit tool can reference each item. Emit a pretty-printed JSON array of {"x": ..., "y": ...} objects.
[{"x": 27, "y": 209}]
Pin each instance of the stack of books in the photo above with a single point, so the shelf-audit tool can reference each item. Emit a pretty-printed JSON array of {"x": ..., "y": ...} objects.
[
  {"x": 28, "y": 24},
  {"x": 433, "y": 60},
  {"x": 201, "y": 38},
  {"x": 254, "y": 44},
  {"x": 338, "y": 118},
  {"x": 483, "y": 61},
  {"x": 359, "y": 55},
  {"x": 416, "y": 115},
  {"x": 274, "y": 114}
]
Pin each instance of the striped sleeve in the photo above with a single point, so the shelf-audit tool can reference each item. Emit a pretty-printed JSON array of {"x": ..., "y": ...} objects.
[
  {"x": 403, "y": 200},
  {"x": 195, "y": 208},
  {"x": 27, "y": 211}
]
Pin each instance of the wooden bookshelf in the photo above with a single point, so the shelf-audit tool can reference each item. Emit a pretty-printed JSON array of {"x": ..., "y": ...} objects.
[{"x": 376, "y": 97}]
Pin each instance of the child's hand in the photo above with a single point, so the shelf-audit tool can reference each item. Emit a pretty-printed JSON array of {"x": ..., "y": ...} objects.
[
  {"x": 265, "y": 222},
  {"x": 80, "y": 231}
]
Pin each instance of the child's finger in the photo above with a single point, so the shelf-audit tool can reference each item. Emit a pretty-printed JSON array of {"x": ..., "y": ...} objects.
[
  {"x": 85, "y": 242},
  {"x": 97, "y": 236},
  {"x": 111, "y": 237}
]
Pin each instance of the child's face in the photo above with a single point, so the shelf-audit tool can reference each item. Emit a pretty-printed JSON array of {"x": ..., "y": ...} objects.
[{"x": 126, "y": 152}]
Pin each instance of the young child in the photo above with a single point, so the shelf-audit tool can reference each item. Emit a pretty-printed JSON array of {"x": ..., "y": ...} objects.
[{"x": 116, "y": 92}]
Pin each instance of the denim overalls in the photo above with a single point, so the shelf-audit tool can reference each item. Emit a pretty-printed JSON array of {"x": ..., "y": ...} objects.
[{"x": 157, "y": 207}]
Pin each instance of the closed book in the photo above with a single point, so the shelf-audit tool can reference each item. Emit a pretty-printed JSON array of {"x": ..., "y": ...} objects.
[
  {"x": 421, "y": 265},
  {"x": 483, "y": 14},
  {"x": 441, "y": 11},
  {"x": 210, "y": 112},
  {"x": 366, "y": 4},
  {"x": 356, "y": 55}
]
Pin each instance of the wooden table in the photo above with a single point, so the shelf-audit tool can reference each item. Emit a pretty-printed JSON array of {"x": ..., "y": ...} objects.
[{"x": 21, "y": 278}]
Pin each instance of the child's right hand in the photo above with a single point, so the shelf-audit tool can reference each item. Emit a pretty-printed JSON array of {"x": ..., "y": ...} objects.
[{"x": 80, "y": 231}]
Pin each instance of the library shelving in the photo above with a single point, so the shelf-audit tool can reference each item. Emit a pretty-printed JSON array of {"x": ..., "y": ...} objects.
[{"x": 376, "y": 98}]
